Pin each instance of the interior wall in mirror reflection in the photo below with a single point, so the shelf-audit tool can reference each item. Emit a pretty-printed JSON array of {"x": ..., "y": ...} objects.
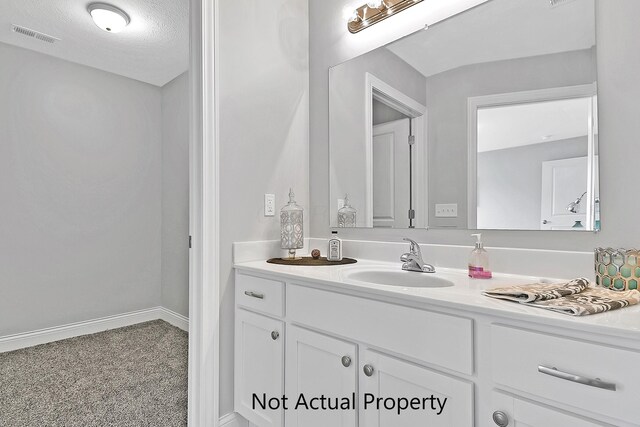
[
  {"x": 535, "y": 165},
  {"x": 350, "y": 169},
  {"x": 502, "y": 47}
]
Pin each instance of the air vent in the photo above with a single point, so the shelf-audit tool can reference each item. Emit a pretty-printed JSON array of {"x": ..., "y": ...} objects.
[
  {"x": 556, "y": 3},
  {"x": 34, "y": 34}
]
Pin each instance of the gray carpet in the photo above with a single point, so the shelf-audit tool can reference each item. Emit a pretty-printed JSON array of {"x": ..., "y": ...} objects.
[{"x": 130, "y": 377}]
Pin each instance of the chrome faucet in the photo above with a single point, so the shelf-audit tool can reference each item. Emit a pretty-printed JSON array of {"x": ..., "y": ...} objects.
[{"x": 412, "y": 260}]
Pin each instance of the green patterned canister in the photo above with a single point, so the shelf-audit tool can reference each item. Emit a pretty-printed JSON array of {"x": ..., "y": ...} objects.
[{"x": 617, "y": 269}]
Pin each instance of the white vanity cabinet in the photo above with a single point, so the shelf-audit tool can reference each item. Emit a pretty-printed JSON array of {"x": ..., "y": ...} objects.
[
  {"x": 259, "y": 366},
  {"x": 298, "y": 335},
  {"x": 259, "y": 348},
  {"x": 328, "y": 338},
  {"x": 386, "y": 376},
  {"x": 320, "y": 365},
  {"x": 515, "y": 412}
]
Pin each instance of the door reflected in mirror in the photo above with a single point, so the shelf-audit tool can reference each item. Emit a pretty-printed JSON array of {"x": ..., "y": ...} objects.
[{"x": 487, "y": 120}]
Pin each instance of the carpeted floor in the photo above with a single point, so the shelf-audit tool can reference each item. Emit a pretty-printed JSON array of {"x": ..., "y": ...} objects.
[{"x": 130, "y": 377}]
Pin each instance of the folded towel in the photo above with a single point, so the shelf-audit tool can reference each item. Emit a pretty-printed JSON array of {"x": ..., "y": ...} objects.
[
  {"x": 591, "y": 301},
  {"x": 576, "y": 298},
  {"x": 538, "y": 291}
]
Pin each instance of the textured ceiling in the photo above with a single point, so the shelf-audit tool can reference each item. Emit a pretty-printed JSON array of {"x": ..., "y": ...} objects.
[
  {"x": 499, "y": 30},
  {"x": 154, "y": 48}
]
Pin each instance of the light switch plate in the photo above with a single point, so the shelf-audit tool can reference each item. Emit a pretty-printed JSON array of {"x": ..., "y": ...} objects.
[
  {"x": 447, "y": 211},
  {"x": 340, "y": 204},
  {"x": 269, "y": 205}
]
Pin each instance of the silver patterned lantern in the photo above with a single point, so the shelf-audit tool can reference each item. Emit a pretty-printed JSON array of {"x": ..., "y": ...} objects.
[
  {"x": 347, "y": 214},
  {"x": 291, "y": 226}
]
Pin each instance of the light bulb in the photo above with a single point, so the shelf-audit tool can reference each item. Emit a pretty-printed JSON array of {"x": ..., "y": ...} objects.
[
  {"x": 376, "y": 4},
  {"x": 355, "y": 16},
  {"x": 108, "y": 18}
]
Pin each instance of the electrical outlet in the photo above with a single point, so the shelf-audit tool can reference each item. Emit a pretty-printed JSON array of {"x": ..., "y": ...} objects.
[
  {"x": 447, "y": 211},
  {"x": 269, "y": 205}
]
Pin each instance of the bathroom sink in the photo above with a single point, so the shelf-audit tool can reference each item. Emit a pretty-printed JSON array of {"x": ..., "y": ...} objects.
[{"x": 400, "y": 278}]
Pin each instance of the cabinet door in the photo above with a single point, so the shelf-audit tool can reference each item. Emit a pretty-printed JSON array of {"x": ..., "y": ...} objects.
[
  {"x": 386, "y": 381},
  {"x": 259, "y": 367},
  {"x": 510, "y": 411},
  {"x": 319, "y": 365}
]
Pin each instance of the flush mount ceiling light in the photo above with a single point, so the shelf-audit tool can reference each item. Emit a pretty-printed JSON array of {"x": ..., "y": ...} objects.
[
  {"x": 375, "y": 11},
  {"x": 108, "y": 17}
]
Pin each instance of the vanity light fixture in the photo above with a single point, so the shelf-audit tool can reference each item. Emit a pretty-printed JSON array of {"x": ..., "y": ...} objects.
[
  {"x": 375, "y": 11},
  {"x": 109, "y": 18}
]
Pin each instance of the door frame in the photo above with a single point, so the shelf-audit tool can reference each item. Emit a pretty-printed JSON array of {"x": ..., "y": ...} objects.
[
  {"x": 204, "y": 299},
  {"x": 379, "y": 90},
  {"x": 514, "y": 98}
]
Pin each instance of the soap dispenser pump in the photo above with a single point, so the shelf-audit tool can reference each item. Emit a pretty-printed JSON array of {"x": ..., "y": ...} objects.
[{"x": 479, "y": 261}]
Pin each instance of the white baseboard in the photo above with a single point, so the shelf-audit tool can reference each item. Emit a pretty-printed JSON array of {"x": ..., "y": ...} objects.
[
  {"x": 173, "y": 318},
  {"x": 43, "y": 336},
  {"x": 233, "y": 420}
]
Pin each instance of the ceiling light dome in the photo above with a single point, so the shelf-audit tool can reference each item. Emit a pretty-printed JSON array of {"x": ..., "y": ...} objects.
[{"x": 108, "y": 17}]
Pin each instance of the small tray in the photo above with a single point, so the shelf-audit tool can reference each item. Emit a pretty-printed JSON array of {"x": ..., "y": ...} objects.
[{"x": 311, "y": 262}]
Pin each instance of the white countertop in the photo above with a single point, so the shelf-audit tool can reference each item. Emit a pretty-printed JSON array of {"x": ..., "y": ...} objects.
[{"x": 464, "y": 295}]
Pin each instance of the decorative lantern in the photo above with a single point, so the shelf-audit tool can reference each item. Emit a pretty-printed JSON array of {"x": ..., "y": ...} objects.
[
  {"x": 291, "y": 226},
  {"x": 346, "y": 214}
]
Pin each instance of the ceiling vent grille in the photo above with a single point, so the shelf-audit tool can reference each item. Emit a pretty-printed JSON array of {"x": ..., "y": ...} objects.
[
  {"x": 556, "y": 3},
  {"x": 34, "y": 34}
]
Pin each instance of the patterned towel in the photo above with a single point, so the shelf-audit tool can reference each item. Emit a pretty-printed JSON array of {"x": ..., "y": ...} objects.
[
  {"x": 538, "y": 291},
  {"x": 591, "y": 301},
  {"x": 576, "y": 298}
]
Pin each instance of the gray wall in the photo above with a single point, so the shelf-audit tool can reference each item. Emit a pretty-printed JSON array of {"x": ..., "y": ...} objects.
[
  {"x": 510, "y": 182},
  {"x": 80, "y": 185},
  {"x": 264, "y": 125},
  {"x": 175, "y": 195},
  {"x": 385, "y": 114},
  {"x": 619, "y": 91},
  {"x": 348, "y": 120},
  {"x": 447, "y": 95}
]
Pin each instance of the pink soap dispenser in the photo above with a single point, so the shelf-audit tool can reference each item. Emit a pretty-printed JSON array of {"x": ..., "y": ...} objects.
[{"x": 479, "y": 261}]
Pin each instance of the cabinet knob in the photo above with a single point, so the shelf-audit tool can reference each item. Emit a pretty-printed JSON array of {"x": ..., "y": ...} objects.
[
  {"x": 501, "y": 419},
  {"x": 275, "y": 335},
  {"x": 368, "y": 370},
  {"x": 346, "y": 361}
]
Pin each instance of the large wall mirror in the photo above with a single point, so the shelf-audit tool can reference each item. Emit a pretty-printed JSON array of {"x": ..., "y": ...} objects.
[{"x": 487, "y": 120}]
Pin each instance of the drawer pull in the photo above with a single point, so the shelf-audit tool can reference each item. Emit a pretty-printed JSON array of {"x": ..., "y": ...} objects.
[
  {"x": 598, "y": 383},
  {"x": 254, "y": 294},
  {"x": 275, "y": 335}
]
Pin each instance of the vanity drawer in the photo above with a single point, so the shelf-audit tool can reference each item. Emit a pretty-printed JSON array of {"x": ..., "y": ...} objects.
[
  {"x": 259, "y": 294},
  {"x": 434, "y": 338},
  {"x": 536, "y": 363}
]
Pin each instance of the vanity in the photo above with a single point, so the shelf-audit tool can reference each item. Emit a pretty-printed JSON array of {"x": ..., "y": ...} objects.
[
  {"x": 487, "y": 120},
  {"x": 372, "y": 331}
]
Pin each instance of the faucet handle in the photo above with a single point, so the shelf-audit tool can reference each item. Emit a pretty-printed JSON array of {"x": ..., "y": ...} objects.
[{"x": 415, "y": 247}]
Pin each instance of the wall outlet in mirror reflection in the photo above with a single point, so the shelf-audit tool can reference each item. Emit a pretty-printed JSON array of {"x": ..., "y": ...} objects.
[{"x": 447, "y": 211}]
